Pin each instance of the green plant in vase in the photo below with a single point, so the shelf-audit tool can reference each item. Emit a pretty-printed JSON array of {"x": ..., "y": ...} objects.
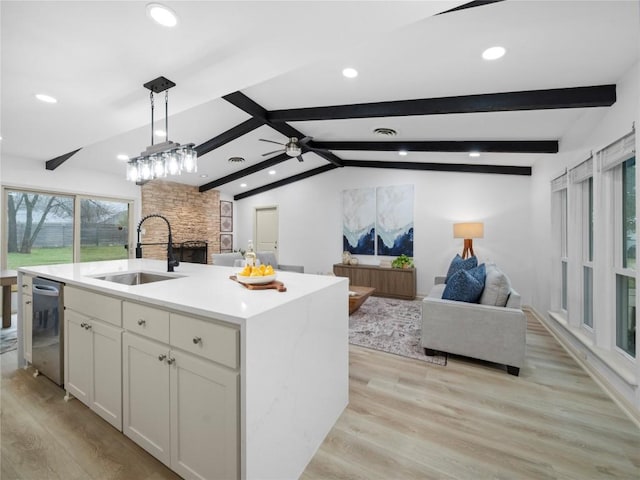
[{"x": 402, "y": 262}]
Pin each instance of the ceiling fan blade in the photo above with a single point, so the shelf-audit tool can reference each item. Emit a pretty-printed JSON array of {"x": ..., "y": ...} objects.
[
  {"x": 270, "y": 141},
  {"x": 275, "y": 151},
  {"x": 300, "y": 159},
  {"x": 305, "y": 140},
  {"x": 314, "y": 149}
]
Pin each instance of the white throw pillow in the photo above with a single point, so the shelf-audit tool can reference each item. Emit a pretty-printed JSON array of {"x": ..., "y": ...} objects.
[{"x": 496, "y": 287}]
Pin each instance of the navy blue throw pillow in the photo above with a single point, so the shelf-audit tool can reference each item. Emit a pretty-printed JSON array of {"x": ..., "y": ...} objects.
[
  {"x": 479, "y": 273},
  {"x": 463, "y": 287},
  {"x": 458, "y": 264}
]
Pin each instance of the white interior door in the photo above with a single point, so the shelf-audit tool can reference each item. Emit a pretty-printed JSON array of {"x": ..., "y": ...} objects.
[{"x": 267, "y": 229}]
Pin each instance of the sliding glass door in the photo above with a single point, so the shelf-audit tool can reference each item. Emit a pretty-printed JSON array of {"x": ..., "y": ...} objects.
[
  {"x": 39, "y": 228},
  {"x": 44, "y": 228}
]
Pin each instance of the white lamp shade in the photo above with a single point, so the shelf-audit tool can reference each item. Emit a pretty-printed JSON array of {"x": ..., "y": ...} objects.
[{"x": 468, "y": 230}]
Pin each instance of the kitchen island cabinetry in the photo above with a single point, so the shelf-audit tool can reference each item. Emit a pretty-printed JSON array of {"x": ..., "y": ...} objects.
[
  {"x": 182, "y": 408},
  {"x": 93, "y": 353},
  {"x": 26, "y": 293},
  {"x": 217, "y": 381}
]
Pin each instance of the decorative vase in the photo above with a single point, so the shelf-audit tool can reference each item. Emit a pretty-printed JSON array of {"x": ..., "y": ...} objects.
[
  {"x": 353, "y": 261},
  {"x": 346, "y": 257}
]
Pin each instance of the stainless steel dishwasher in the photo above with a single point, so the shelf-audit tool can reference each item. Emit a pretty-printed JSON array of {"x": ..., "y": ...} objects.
[{"x": 47, "y": 346}]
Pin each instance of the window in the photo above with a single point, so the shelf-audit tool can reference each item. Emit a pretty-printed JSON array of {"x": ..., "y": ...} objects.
[
  {"x": 626, "y": 259},
  {"x": 104, "y": 229},
  {"x": 587, "y": 265},
  {"x": 39, "y": 229},
  {"x": 560, "y": 230},
  {"x": 564, "y": 233},
  {"x": 42, "y": 228}
]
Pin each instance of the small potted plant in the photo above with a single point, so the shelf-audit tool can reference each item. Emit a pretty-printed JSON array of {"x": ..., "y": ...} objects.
[{"x": 402, "y": 262}]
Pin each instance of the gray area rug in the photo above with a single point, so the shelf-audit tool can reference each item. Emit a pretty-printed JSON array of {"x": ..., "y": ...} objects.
[
  {"x": 8, "y": 338},
  {"x": 392, "y": 326}
]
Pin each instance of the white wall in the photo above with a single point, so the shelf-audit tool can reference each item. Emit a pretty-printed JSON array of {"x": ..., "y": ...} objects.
[
  {"x": 595, "y": 129},
  {"x": 310, "y": 219}
]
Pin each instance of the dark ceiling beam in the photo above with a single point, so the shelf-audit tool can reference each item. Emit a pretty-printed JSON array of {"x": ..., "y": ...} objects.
[
  {"x": 575, "y": 97},
  {"x": 244, "y": 172},
  {"x": 475, "y": 3},
  {"x": 330, "y": 157},
  {"x": 230, "y": 135},
  {"x": 244, "y": 103},
  {"x": 247, "y": 105},
  {"x": 56, "y": 162},
  {"x": 498, "y": 146},
  {"x": 441, "y": 167},
  {"x": 285, "y": 181}
]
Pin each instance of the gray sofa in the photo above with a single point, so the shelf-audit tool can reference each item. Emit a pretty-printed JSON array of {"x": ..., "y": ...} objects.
[{"x": 486, "y": 332}]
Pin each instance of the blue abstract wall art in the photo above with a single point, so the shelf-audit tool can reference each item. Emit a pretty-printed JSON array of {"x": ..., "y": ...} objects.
[
  {"x": 358, "y": 221},
  {"x": 394, "y": 220}
]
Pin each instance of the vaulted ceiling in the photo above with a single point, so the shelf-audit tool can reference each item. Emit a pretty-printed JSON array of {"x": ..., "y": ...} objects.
[{"x": 272, "y": 70}]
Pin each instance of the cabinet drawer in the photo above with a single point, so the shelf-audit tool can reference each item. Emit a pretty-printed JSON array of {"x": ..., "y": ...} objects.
[
  {"x": 147, "y": 321},
  {"x": 207, "y": 339},
  {"x": 95, "y": 305},
  {"x": 27, "y": 284}
]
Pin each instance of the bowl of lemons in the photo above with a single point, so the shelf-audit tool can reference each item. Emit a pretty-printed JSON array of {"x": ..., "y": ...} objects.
[{"x": 256, "y": 275}]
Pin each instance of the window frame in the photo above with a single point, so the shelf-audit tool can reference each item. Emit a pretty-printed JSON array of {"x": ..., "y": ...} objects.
[{"x": 77, "y": 197}]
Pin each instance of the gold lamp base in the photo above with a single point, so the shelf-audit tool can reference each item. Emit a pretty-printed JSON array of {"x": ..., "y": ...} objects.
[{"x": 467, "y": 250}]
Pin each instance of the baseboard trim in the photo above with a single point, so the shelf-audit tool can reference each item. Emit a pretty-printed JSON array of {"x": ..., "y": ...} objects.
[{"x": 627, "y": 407}]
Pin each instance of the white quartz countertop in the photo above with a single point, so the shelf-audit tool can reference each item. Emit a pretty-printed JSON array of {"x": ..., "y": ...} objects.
[{"x": 204, "y": 290}]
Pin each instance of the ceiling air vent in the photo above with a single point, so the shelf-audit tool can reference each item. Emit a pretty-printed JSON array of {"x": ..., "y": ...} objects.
[
  {"x": 236, "y": 159},
  {"x": 385, "y": 132}
]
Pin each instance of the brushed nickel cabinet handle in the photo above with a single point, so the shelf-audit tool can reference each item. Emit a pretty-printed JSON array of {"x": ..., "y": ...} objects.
[
  {"x": 142, "y": 322},
  {"x": 88, "y": 327},
  {"x": 83, "y": 325},
  {"x": 162, "y": 357},
  {"x": 171, "y": 361},
  {"x": 197, "y": 340},
  {"x": 28, "y": 302}
]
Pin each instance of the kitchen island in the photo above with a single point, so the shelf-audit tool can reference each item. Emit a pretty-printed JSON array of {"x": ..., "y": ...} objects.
[{"x": 281, "y": 358}]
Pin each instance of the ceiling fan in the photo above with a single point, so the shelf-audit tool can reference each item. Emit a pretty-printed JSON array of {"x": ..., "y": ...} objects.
[{"x": 293, "y": 147}]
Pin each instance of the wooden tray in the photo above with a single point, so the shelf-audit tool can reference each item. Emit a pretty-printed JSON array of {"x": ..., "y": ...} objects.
[{"x": 265, "y": 286}]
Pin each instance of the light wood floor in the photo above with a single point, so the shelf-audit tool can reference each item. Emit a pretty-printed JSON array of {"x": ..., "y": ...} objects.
[{"x": 405, "y": 419}]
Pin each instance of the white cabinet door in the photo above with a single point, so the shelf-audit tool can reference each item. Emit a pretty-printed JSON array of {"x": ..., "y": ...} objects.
[
  {"x": 146, "y": 395},
  {"x": 77, "y": 356},
  {"x": 106, "y": 377},
  {"x": 204, "y": 418},
  {"x": 27, "y": 324}
]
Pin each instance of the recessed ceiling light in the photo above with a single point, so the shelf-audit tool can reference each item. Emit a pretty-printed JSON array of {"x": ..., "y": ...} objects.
[
  {"x": 46, "y": 98},
  {"x": 474, "y": 154},
  {"x": 162, "y": 15},
  {"x": 272, "y": 172},
  {"x": 122, "y": 157},
  {"x": 493, "y": 53},
  {"x": 204, "y": 175},
  {"x": 243, "y": 185},
  {"x": 350, "y": 72},
  {"x": 160, "y": 133},
  {"x": 236, "y": 159},
  {"x": 403, "y": 153}
]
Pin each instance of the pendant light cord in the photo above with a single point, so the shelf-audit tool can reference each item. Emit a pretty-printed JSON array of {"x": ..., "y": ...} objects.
[
  {"x": 151, "y": 99},
  {"x": 166, "y": 115}
]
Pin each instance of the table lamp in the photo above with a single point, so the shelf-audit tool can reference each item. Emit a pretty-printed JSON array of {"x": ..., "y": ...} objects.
[{"x": 468, "y": 231}]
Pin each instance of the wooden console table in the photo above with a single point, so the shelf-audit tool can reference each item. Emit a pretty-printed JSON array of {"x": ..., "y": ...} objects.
[{"x": 388, "y": 282}]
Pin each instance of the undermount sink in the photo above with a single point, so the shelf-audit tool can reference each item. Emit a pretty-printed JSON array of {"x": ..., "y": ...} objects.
[{"x": 136, "y": 278}]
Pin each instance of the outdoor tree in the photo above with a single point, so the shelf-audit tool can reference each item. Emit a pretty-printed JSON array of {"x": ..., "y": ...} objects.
[{"x": 32, "y": 205}]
